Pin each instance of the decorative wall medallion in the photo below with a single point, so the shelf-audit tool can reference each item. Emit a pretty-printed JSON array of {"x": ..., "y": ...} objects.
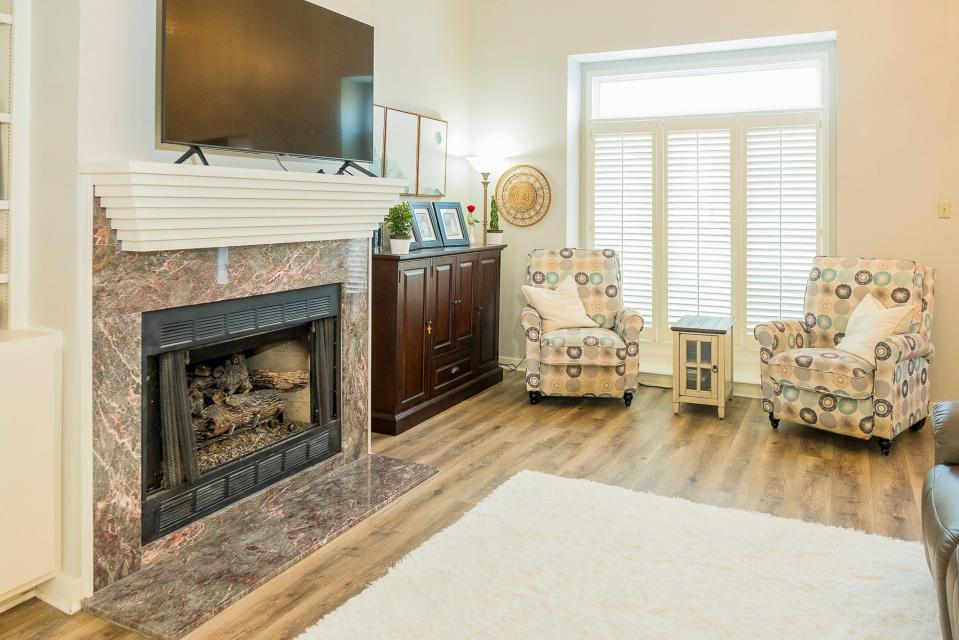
[{"x": 523, "y": 195}]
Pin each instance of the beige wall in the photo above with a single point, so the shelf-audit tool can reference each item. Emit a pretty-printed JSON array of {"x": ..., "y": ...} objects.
[
  {"x": 94, "y": 100},
  {"x": 897, "y": 130}
]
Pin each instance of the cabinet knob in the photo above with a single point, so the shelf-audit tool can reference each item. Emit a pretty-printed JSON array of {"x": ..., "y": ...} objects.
[
  {"x": 454, "y": 371},
  {"x": 715, "y": 368},
  {"x": 429, "y": 327}
]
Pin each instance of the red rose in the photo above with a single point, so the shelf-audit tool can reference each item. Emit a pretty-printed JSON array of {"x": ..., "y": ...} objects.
[{"x": 470, "y": 208}]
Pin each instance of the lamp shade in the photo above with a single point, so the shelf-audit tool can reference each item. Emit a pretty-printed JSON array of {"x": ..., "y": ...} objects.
[{"x": 487, "y": 164}]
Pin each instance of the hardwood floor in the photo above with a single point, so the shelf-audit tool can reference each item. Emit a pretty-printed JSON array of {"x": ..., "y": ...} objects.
[{"x": 740, "y": 462}]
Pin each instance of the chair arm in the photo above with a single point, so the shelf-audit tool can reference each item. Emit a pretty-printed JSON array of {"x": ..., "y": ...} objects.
[
  {"x": 780, "y": 335},
  {"x": 533, "y": 328},
  {"x": 902, "y": 347},
  {"x": 629, "y": 324},
  {"x": 532, "y": 323},
  {"x": 945, "y": 431}
]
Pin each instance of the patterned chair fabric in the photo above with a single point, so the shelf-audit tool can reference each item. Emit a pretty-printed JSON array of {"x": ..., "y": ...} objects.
[
  {"x": 582, "y": 362},
  {"x": 805, "y": 379}
]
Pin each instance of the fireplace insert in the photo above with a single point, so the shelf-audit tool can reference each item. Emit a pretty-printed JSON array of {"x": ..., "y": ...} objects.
[{"x": 236, "y": 395}]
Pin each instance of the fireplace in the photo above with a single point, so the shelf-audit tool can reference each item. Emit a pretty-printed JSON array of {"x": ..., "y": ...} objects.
[{"x": 237, "y": 395}]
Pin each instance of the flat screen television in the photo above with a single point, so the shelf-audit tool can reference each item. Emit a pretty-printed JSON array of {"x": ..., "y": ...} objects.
[{"x": 273, "y": 76}]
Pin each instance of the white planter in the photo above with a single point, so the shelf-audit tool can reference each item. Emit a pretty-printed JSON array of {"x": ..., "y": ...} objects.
[
  {"x": 400, "y": 246},
  {"x": 472, "y": 234},
  {"x": 494, "y": 238}
]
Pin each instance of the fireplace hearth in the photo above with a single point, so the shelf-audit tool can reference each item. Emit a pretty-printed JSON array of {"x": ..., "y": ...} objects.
[{"x": 237, "y": 395}]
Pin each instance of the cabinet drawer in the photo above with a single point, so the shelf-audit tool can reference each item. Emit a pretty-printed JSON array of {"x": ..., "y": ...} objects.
[{"x": 450, "y": 370}]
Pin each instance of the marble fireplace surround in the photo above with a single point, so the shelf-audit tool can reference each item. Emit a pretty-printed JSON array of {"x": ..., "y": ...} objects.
[{"x": 126, "y": 283}]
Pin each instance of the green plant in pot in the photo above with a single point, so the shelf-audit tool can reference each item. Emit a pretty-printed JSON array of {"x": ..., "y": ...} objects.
[
  {"x": 494, "y": 235},
  {"x": 399, "y": 221}
]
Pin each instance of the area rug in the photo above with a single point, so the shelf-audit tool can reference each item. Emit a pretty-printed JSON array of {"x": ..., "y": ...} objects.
[{"x": 550, "y": 557}]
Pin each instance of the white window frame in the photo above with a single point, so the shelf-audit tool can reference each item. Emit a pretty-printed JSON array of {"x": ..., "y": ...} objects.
[{"x": 821, "y": 54}]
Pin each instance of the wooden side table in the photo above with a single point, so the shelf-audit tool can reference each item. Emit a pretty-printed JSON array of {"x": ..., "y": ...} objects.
[{"x": 703, "y": 361}]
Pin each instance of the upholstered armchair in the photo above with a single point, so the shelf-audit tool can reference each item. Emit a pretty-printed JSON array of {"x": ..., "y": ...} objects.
[
  {"x": 807, "y": 380},
  {"x": 601, "y": 361}
]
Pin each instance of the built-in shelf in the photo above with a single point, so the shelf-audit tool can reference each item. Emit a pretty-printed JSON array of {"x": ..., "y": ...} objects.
[
  {"x": 4, "y": 278},
  {"x": 4, "y": 205},
  {"x": 4, "y": 118},
  {"x": 6, "y": 18}
]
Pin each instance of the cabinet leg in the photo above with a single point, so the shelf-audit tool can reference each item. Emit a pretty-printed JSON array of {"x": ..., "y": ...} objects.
[
  {"x": 722, "y": 412},
  {"x": 675, "y": 407},
  {"x": 534, "y": 397}
]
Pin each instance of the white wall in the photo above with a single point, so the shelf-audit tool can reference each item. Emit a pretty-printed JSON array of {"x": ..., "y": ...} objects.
[
  {"x": 897, "y": 130},
  {"x": 94, "y": 98},
  {"x": 53, "y": 232}
]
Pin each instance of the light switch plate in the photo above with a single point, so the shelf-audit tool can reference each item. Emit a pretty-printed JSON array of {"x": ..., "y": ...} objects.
[{"x": 945, "y": 208}]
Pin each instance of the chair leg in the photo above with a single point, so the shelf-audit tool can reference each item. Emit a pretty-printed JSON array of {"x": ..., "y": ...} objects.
[
  {"x": 774, "y": 421},
  {"x": 628, "y": 398},
  {"x": 919, "y": 425},
  {"x": 884, "y": 446},
  {"x": 534, "y": 397}
]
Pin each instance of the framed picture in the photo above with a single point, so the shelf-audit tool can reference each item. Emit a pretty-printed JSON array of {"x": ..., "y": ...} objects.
[
  {"x": 452, "y": 224},
  {"x": 431, "y": 170},
  {"x": 399, "y": 152},
  {"x": 379, "y": 139},
  {"x": 426, "y": 232}
]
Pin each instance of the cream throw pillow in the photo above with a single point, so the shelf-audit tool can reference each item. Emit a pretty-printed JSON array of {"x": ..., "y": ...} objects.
[
  {"x": 870, "y": 323},
  {"x": 559, "y": 308}
]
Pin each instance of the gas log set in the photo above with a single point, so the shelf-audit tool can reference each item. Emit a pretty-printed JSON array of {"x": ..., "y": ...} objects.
[{"x": 230, "y": 401}]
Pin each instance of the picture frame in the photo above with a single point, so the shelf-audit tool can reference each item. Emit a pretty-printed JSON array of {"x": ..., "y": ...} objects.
[
  {"x": 401, "y": 148},
  {"x": 426, "y": 232},
  {"x": 379, "y": 139},
  {"x": 452, "y": 224},
  {"x": 431, "y": 157}
]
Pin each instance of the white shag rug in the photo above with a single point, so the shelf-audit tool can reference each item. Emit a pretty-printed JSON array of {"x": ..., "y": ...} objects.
[{"x": 550, "y": 557}]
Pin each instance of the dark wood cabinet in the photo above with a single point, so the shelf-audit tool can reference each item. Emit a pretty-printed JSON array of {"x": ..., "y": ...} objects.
[{"x": 435, "y": 324}]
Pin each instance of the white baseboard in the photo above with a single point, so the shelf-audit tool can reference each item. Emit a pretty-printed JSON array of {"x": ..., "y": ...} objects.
[
  {"x": 743, "y": 389},
  {"x": 63, "y": 592},
  {"x": 12, "y": 601}
]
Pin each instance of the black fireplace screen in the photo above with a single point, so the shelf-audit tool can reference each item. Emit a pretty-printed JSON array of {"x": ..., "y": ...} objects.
[{"x": 237, "y": 395}]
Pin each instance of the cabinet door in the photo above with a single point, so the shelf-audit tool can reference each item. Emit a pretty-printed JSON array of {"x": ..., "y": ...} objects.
[
  {"x": 487, "y": 311},
  {"x": 463, "y": 305},
  {"x": 699, "y": 358},
  {"x": 412, "y": 384},
  {"x": 442, "y": 294}
]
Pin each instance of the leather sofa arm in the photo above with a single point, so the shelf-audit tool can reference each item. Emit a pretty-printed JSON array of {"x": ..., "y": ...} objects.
[
  {"x": 780, "y": 335},
  {"x": 945, "y": 431}
]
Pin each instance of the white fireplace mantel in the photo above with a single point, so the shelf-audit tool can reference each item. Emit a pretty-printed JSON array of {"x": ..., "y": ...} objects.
[{"x": 154, "y": 206}]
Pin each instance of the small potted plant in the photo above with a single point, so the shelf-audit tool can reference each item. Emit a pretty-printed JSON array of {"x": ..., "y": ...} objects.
[
  {"x": 494, "y": 235},
  {"x": 471, "y": 222},
  {"x": 399, "y": 221}
]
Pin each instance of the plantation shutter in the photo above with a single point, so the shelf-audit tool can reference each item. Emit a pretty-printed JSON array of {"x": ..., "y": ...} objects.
[
  {"x": 623, "y": 211},
  {"x": 698, "y": 213},
  {"x": 782, "y": 202}
]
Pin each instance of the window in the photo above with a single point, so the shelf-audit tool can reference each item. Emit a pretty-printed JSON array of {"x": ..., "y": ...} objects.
[
  {"x": 698, "y": 223},
  {"x": 781, "y": 229},
  {"x": 709, "y": 91},
  {"x": 623, "y": 210},
  {"x": 707, "y": 174}
]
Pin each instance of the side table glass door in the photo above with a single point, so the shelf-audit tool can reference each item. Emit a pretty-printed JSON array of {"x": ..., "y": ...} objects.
[{"x": 700, "y": 367}]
